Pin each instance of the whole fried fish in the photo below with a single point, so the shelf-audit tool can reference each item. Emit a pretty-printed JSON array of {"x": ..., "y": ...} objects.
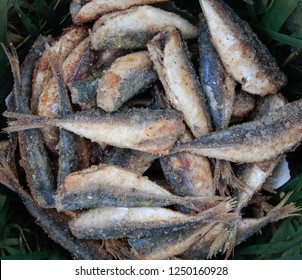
[
  {"x": 254, "y": 141},
  {"x": 117, "y": 222},
  {"x": 152, "y": 131},
  {"x": 111, "y": 185},
  {"x": 35, "y": 159},
  {"x": 133, "y": 28},
  {"x": 182, "y": 88},
  {"x": 242, "y": 54},
  {"x": 94, "y": 9},
  {"x": 43, "y": 73},
  {"x": 126, "y": 77}
]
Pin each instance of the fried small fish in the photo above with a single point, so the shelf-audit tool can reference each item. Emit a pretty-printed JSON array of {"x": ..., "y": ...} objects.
[
  {"x": 92, "y": 10},
  {"x": 219, "y": 88},
  {"x": 118, "y": 222},
  {"x": 125, "y": 78},
  {"x": 151, "y": 131},
  {"x": 217, "y": 84},
  {"x": 70, "y": 146},
  {"x": 133, "y": 28},
  {"x": 49, "y": 102},
  {"x": 171, "y": 60},
  {"x": 42, "y": 73},
  {"x": 112, "y": 185},
  {"x": 255, "y": 141},
  {"x": 35, "y": 159},
  {"x": 243, "y": 55}
]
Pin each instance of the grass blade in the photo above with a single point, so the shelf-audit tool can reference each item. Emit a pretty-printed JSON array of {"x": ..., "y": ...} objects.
[
  {"x": 278, "y": 14},
  {"x": 282, "y": 38}
]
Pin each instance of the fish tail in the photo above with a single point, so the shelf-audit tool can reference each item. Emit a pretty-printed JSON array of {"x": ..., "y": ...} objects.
[
  {"x": 224, "y": 242},
  {"x": 224, "y": 176},
  {"x": 25, "y": 121},
  {"x": 282, "y": 211}
]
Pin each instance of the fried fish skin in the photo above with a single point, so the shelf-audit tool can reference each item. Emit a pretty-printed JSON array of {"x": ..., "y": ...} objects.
[
  {"x": 217, "y": 84},
  {"x": 112, "y": 185},
  {"x": 92, "y": 10},
  {"x": 126, "y": 77},
  {"x": 243, "y": 55},
  {"x": 151, "y": 131},
  {"x": 42, "y": 73},
  {"x": 118, "y": 222},
  {"x": 254, "y": 141},
  {"x": 171, "y": 61},
  {"x": 133, "y": 28},
  {"x": 35, "y": 160}
]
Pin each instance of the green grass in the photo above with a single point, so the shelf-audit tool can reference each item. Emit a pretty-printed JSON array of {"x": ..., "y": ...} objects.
[{"x": 278, "y": 24}]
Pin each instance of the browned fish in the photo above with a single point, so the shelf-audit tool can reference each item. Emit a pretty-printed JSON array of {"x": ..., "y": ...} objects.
[
  {"x": 243, "y": 55},
  {"x": 152, "y": 131},
  {"x": 254, "y": 141},
  {"x": 134, "y": 27},
  {"x": 94, "y": 9}
]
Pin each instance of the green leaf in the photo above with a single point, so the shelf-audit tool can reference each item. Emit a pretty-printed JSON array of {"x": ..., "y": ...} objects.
[
  {"x": 278, "y": 14},
  {"x": 252, "y": 12},
  {"x": 282, "y": 38}
]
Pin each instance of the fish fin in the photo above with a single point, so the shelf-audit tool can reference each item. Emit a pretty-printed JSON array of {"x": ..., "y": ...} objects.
[
  {"x": 25, "y": 121},
  {"x": 225, "y": 241},
  {"x": 223, "y": 210},
  {"x": 224, "y": 177},
  {"x": 14, "y": 61},
  {"x": 282, "y": 211}
]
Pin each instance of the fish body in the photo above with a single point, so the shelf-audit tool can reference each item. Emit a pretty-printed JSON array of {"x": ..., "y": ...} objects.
[
  {"x": 254, "y": 141},
  {"x": 165, "y": 246},
  {"x": 217, "y": 84},
  {"x": 151, "y": 131},
  {"x": 92, "y": 10},
  {"x": 118, "y": 222},
  {"x": 49, "y": 101},
  {"x": 111, "y": 185},
  {"x": 135, "y": 160},
  {"x": 70, "y": 157},
  {"x": 243, "y": 55},
  {"x": 134, "y": 27},
  {"x": 43, "y": 73},
  {"x": 171, "y": 61},
  {"x": 126, "y": 77},
  {"x": 35, "y": 160}
]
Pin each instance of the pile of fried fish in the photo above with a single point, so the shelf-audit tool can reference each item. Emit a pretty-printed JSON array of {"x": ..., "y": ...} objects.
[{"x": 144, "y": 133}]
